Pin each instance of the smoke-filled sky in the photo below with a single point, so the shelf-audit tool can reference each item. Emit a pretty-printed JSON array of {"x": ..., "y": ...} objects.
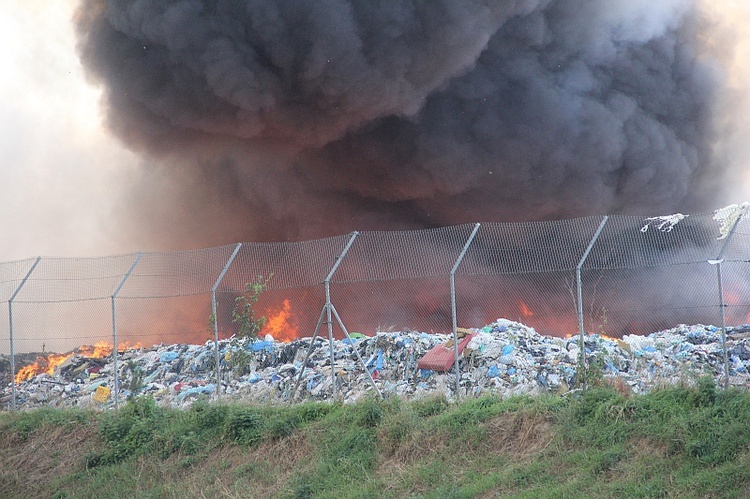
[{"x": 143, "y": 124}]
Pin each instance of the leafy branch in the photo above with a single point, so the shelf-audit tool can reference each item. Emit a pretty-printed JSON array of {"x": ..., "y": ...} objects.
[{"x": 243, "y": 313}]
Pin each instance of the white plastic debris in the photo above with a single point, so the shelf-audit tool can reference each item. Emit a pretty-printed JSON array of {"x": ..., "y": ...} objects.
[
  {"x": 728, "y": 217},
  {"x": 663, "y": 223}
]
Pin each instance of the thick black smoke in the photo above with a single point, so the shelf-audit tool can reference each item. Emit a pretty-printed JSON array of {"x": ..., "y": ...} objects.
[{"x": 263, "y": 119}]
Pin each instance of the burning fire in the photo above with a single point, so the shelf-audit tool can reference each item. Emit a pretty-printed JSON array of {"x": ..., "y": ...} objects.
[
  {"x": 604, "y": 336},
  {"x": 525, "y": 310},
  {"x": 281, "y": 323},
  {"x": 98, "y": 351},
  {"x": 42, "y": 365},
  {"x": 47, "y": 364}
]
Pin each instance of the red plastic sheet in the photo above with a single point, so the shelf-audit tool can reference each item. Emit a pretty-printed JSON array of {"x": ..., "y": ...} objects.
[{"x": 442, "y": 357}]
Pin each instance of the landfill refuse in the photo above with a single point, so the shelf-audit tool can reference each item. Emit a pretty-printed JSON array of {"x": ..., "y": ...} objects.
[
  {"x": 101, "y": 394},
  {"x": 505, "y": 357}
]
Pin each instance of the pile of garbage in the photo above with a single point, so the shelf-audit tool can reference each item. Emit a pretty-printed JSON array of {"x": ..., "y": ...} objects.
[{"x": 504, "y": 357}]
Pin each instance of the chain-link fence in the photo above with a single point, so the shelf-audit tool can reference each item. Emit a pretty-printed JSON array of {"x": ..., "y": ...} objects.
[{"x": 614, "y": 276}]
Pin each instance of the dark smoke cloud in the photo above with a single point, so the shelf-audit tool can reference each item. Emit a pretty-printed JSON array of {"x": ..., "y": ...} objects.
[{"x": 265, "y": 119}]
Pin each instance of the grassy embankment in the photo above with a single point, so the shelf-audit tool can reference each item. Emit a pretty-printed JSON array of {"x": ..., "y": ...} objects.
[{"x": 676, "y": 442}]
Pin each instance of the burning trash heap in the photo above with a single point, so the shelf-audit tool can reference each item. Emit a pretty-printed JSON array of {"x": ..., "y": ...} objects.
[{"x": 504, "y": 357}]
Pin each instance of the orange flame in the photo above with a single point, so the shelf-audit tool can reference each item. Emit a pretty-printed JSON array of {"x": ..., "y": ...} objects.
[
  {"x": 281, "y": 323},
  {"x": 124, "y": 345},
  {"x": 604, "y": 336},
  {"x": 525, "y": 310},
  {"x": 98, "y": 351},
  {"x": 48, "y": 364},
  {"x": 610, "y": 338},
  {"x": 42, "y": 365}
]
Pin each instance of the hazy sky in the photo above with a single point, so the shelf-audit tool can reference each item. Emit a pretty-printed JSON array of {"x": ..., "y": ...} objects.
[
  {"x": 62, "y": 175},
  {"x": 60, "y": 171}
]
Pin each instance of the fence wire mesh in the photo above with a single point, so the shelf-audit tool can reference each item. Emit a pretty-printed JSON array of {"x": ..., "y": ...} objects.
[{"x": 635, "y": 276}]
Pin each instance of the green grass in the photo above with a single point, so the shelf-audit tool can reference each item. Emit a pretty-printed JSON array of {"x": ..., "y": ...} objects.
[{"x": 675, "y": 442}]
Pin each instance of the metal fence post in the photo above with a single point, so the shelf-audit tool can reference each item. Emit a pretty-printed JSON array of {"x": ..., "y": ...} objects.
[
  {"x": 10, "y": 325},
  {"x": 114, "y": 329},
  {"x": 215, "y": 319},
  {"x": 718, "y": 261},
  {"x": 327, "y": 284},
  {"x": 453, "y": 303},
  {"x": 579, "y": 291},
  {"x": 723, "y": 322},
  {"x": 327, "y": 312}
]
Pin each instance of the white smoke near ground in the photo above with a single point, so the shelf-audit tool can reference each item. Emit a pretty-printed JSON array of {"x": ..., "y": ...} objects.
[
  {"x": 730, "y": 43},
  {"x": 60, "y": 170}
]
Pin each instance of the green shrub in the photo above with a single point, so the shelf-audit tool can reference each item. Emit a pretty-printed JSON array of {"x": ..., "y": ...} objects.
[
  {"x": 243, "y": 314},
  {"x": 369, "y": 412},
  {"x": 705, "y": 395},
  {"x": 129, "y": 432},
  {"x": 430, "y": 406},
  {"x": 243, "y": 426},
  {"x": 208, "y": 417}
]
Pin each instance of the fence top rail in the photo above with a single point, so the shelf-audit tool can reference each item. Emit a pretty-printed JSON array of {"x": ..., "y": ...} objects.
[
  {"x": 11, "y": 275},
  {"x": 626, "y": 241},
  {"x": 738, "y": 248},
  {"x": 296, "y": 264},
  {"x": 381, "y": 255},
  {"x": 529, "y": 247},
  {"x": 636, "y": 242}
]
